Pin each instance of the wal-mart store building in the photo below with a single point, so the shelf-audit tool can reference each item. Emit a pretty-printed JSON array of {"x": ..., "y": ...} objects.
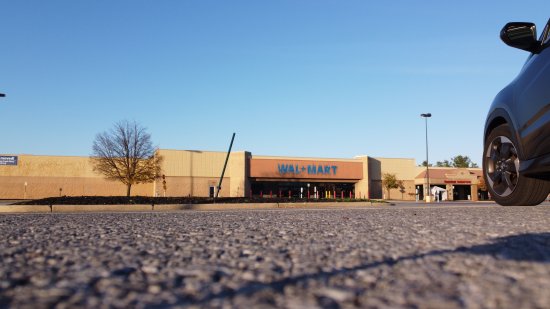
[{"x": 196, "y": 173}]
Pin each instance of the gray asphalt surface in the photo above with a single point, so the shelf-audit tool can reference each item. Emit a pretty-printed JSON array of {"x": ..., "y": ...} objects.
[{"x": 381, "y": 257}]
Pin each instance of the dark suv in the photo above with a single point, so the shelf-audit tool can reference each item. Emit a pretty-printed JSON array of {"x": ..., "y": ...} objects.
[{"x": 516, "y": 155}]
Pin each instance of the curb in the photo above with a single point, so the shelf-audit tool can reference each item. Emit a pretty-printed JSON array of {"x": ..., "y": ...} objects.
[
  {"x": 25, "y": 209},
  {"x": 8, "y": 209}
]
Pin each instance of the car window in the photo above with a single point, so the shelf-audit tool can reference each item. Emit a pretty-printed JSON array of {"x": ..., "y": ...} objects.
[{"x": 545, "y": 36}]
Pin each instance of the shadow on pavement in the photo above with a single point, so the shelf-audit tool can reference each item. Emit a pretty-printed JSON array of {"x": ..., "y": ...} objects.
[{"x": 523, "y": 247}]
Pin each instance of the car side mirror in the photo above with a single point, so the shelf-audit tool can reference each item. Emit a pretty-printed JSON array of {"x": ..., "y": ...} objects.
[{"x": 521, "y": 35}]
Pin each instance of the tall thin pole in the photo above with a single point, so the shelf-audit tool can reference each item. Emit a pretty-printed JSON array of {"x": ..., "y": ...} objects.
[
  {"x": 224, "y": 166},
  {"x": 427, "y": 197},
  {"x": 427, "y": 159}
]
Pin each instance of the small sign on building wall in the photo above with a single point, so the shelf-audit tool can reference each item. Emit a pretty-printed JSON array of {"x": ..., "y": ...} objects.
[{"x": 8, "y": 160}]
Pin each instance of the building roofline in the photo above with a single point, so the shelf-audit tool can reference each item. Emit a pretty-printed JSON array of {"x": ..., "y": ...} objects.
[
  {"x": 304, "y": 158},
  {"x": 40, "y": 155},
  {"x": 202, "y": 151},
  {"x": 384, "y": 158}
]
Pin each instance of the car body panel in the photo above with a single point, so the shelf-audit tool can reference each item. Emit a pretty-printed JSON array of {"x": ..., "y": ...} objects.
[
  {"x": 500, "y": 112},
  {"x": 532, "y": 105},
  {"x": 525, "y": 106}
]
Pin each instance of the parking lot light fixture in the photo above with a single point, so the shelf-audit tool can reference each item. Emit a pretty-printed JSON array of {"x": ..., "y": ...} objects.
[{"x": 427, "y": 195}]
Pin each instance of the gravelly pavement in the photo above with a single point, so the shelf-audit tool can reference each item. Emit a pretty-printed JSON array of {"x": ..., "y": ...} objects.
[{"x": 382, "y": 257}]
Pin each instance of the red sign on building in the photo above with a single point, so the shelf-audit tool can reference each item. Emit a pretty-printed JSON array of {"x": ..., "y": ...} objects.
[{"x": 459, "y": 182}]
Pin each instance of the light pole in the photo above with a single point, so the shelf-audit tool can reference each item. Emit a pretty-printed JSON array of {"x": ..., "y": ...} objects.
[
  {"x": 2, "y": 95},
  {"x": 427, "y": 196}
]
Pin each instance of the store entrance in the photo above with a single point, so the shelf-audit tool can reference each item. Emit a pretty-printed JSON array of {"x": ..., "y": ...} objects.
[
  {"x": 462, "y": 192},
  {"x": 303, "y": 190}
]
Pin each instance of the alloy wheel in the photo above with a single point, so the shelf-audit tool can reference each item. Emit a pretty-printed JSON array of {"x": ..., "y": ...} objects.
[{"x": 502, "y": 166}]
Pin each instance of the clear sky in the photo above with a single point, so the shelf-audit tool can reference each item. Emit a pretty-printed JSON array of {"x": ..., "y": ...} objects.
[{"x": 291, "y": 78}]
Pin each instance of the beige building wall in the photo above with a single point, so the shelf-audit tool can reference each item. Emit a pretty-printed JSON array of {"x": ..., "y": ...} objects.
[
  {"x": 194, "y": 172},
  {"x": 47, "y": 176},
  {"x": 239, "y": 169},
  {"x": 362, "y": 187},
  {"x": 404, "y": 170},
  {"x": 187, "y": 173}
]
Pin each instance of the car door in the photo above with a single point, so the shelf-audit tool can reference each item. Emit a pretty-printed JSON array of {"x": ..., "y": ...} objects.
[{"x": 532, "y": 98}]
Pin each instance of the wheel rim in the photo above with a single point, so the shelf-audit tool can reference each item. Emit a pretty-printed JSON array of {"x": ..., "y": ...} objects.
[{"x": 502, "y": 166}]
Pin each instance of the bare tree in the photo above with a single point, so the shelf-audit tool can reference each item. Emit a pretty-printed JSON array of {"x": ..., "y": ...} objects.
[{"x": 125, "y": 153}]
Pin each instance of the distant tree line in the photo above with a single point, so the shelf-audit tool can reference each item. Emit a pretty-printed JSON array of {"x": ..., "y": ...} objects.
[{"x": 458, "y": 161}]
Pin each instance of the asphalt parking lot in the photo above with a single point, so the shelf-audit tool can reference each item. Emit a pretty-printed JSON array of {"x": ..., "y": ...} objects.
[{"x": 454, "y": 255}]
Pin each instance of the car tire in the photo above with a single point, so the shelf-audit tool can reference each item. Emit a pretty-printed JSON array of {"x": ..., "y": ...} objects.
[{"x": 501, "y": 162}]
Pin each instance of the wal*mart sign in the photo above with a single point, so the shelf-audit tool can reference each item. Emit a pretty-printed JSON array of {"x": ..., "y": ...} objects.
[
  {"x": 298, "y": 169},
  {"x": 275, "y": 168},
  {"x": 8, "y": 160}
]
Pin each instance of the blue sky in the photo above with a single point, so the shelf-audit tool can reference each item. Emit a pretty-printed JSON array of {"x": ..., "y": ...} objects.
[{"x": 291, "y": 78}]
